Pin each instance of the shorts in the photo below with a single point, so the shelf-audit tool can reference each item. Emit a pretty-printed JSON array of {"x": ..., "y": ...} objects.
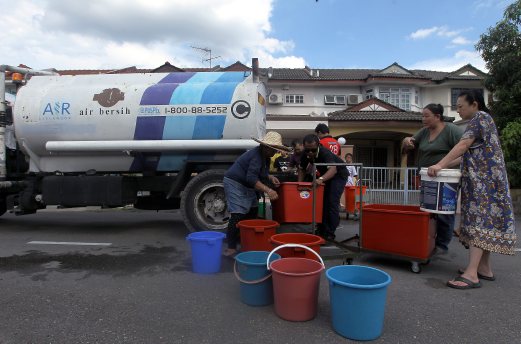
[{"x": 239, "y": 198}]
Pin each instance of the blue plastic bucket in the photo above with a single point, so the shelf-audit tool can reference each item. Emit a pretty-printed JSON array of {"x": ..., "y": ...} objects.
[
  {"x": 256, "y": 284},
  {"x": 206, "y": 251},
  {"x": 357, "y": 296}
]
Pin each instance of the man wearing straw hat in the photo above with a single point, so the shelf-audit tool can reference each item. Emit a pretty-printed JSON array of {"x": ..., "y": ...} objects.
[{"x": 247, "y": 176}]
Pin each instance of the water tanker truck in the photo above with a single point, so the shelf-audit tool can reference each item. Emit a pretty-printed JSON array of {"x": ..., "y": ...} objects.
[{"x": 155, "y": 141}]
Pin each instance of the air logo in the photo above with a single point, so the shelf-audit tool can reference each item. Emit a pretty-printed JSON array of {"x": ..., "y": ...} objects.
[{"x": 57, "y": 108}]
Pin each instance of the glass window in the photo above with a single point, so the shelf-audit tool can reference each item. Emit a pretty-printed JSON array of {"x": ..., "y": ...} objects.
[
  {"x": 399, "y": 97},
  {"x": 294, "y": 99},
  {"x": 454, "y": 93}
]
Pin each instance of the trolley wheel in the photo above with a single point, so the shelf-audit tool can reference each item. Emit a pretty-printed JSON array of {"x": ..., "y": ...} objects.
[
  {"x": 348, "y": 261},
  {"x": 415, "y": 267}
]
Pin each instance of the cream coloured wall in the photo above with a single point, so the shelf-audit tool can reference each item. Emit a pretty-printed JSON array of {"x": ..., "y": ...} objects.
[{"x": 313, "y": 99}]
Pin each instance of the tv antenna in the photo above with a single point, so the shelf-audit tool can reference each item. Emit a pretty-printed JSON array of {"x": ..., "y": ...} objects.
[{"x": 207, "y": 51}]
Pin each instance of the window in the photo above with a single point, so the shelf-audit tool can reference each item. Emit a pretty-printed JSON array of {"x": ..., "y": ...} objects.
[
  {"x": 454, "y": 93},
  {"x": 400, "y": 97},
  {"x": 334, "y": 100},
  {"x": 294, "y": 99}
]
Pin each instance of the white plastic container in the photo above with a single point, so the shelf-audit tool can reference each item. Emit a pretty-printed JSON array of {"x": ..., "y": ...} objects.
[{"x": 439, "y": 194}]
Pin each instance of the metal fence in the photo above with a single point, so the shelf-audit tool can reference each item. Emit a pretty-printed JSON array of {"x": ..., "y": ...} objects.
[{"x": 390, "y": 185}]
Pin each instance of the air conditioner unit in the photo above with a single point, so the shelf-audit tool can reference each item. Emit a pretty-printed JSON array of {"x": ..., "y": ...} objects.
[
  {"x": 275, "y": 98},
  {"x": 354, "y": 99}
]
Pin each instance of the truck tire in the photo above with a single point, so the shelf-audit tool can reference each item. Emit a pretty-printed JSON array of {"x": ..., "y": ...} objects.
[{"x": 203, "y": 204}]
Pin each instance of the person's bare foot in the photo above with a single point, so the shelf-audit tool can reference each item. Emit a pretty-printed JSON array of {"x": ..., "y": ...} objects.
[{"x": 229, "y": 252}]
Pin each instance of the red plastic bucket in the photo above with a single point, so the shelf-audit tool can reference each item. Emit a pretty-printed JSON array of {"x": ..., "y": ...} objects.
[
  {"x": 296, "y": 283},
  {"x": 352, "y": 193},
  {"x": 256, "y": 234},
  {"x": 310, "y": 240}
]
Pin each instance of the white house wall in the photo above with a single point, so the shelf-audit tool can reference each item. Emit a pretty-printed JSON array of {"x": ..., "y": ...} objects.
[
  {"x": 313, "y": 99},
  {"x": 437, "y": 95}
]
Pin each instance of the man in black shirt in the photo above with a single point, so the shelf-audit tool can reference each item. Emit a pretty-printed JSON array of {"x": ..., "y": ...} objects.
[{"x": 333, "y": 177}]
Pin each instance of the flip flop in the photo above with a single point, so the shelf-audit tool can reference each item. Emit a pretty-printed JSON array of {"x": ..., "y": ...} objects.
[
  {"x": 480, "y": 276},
  {"x": 469, "y": 284}
]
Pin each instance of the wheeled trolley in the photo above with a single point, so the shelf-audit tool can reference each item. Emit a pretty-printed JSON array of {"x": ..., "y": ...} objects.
[
  {"x": 403, "y": 231},
  {"x": 397, "y": 231}
]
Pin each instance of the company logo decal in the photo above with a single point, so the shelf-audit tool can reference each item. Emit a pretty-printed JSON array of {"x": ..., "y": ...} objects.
[
  {"x": 305, "y": 194},
  {"x": 241, "y": 109},
  {"x": 109, "y": 97}
]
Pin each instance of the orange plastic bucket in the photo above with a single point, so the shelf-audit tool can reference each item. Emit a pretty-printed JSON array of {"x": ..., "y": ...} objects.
[
  {"x": 309, "y": 240},
  {"x": 256, "y": 234},
  {"x": 351, "y": 193},
  {"x": 296, "y": 283}
]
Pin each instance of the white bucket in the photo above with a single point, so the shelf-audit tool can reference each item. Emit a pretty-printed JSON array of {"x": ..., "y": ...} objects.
[{"x": 439, "y": 194}]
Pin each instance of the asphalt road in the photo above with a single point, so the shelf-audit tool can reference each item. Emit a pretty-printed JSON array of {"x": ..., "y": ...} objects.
[{"x": 140, "y": 289}]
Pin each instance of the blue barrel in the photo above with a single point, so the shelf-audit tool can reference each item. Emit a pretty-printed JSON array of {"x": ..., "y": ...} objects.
[
  {"x": 206, "y": 251},
  {"x": 357, "y": 296},
  {"x": 256, "y": 285}
]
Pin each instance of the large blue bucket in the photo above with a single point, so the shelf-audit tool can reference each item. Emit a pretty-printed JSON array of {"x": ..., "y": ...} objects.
[
  {"x": 357, "y": 296},
  {"x": 206, "y": 251},
  {"x": 256, "y": 286}
]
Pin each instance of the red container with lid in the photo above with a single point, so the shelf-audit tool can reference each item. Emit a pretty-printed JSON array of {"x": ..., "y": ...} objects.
[{"x": 295, "y": 203}]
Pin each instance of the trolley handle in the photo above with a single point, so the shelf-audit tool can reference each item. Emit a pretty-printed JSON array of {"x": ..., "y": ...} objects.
[{"x": 293, "y": 245}]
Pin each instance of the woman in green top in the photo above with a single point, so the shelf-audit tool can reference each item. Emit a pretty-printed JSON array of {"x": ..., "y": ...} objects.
[{"x": 433, "y": 142}]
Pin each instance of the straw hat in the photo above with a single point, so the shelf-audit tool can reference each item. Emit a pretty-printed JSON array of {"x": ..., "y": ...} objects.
[{"x": 274, "y": 141}]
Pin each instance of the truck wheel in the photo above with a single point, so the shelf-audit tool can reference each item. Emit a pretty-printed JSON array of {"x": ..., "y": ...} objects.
[{"x": 203, "y": 204}]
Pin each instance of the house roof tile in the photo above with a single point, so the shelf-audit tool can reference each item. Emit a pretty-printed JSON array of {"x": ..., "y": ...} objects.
[
  {"x": 409, "y": 116},
  {"x": 363, "y": 74}
]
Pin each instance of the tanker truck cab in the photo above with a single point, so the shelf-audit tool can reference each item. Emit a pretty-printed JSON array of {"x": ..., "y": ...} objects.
[{"x": 156, "y": 141}]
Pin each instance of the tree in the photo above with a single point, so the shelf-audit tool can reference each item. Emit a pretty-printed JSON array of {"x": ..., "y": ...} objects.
[
  {"x": 510, "y": 140},
  {"x": 500, "y": 47}
]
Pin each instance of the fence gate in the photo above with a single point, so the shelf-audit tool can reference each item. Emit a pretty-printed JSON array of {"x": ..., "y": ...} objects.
[{"x": 391, "y": 185}]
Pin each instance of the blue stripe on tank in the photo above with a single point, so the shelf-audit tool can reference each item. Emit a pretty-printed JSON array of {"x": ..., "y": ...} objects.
[
  {"x": 179, "y": 127},
  {"x": 176, "y": 128},
  {"x": 209, "y": 127},
  {"x": 149, "y": 128},
  {"x": 221, "y": 91},
  {"x": 191, "y": 91},
  {"x": 160, "y": 93}
]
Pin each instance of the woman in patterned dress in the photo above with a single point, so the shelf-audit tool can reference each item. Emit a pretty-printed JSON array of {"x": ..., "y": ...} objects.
[{"x": 486, "y": 206}]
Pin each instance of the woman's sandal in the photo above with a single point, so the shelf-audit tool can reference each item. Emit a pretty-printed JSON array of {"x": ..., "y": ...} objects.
[
  {"x": 468, "y": 283},
  {"x": 480, "y": 276}
]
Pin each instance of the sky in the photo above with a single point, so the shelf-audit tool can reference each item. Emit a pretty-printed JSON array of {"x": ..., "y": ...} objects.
[{"x": 111, "y": 34}]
